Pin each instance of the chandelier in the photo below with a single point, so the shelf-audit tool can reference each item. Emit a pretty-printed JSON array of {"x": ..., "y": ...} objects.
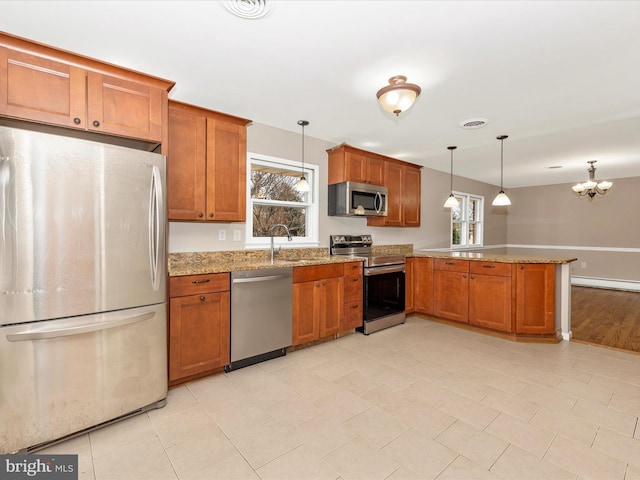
[{"x": 592, "y": 187}]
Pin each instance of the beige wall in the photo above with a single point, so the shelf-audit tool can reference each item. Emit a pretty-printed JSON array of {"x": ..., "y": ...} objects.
[{"x": 603, "y": 232}]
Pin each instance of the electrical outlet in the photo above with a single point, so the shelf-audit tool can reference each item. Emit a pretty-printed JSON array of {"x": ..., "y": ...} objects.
[
  {"x": 236, "y": 235},
  {"x": 222, "y": 234},
  {"x": 583, "y": 264}
]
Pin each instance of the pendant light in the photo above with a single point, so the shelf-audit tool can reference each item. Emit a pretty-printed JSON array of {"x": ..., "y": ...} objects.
[
  {"x": 592, "y": 187},
  {"x": 501, "y": 199},
  {"x": 452, "y": 201},
  {"x": 303, "y": 185}
]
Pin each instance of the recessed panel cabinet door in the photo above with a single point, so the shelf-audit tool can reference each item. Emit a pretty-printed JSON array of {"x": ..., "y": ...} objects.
[
  {"x": 451, "y": 295},
  {"x": 535, "y": 299},
  {"x": 123, "y": 107},
  {"x": 423, "y": 285},
  {"x": 36, "y": 88},
  {"x": 306, "y": 312},
  {"x": 187, "y": 166},
  {"x": 332, "y": 306},
  {"x": 226, "y": 171},
  {"x": 490, "y": 302},
  {"x": 199, "y": 334},
  {"x": 411, "y": 201}
]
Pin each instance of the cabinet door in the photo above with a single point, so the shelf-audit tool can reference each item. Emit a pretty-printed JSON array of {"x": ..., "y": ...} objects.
[
  {"x": 490, "y": 302},
  {"x": 374, "y": 171},
  {"x": 306, "y": 312},
  {"x": 393, "y": 179},
  {"x": 226, "y": 171},
  {"x": 198, "y": 334},
  {"x": 535, "y": 296},
  {"x": 423, "y": 285},
  {"x": 409, "y": 287},
  {"x": 411, "y": 200},
  {"x": 355, "y": 167},
  {"x": 331, "y": 306},
  {"x": 42, "y": 90},
  {"x": 124, "y": 107},
  {"x": 186, "y": 165},
  {"x": 451, "y": 295}
]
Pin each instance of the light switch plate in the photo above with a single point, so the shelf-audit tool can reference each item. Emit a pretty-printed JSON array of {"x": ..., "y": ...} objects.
[
  {"x": 236, "y": 235},
  {"x": 222, "y": 235}
]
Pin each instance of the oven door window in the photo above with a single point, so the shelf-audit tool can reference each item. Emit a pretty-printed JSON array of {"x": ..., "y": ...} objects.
[{"x": 383, "y": 295}]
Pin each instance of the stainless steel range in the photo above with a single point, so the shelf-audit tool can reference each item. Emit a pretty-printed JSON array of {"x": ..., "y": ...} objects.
[{"x": 384, "y": 281}]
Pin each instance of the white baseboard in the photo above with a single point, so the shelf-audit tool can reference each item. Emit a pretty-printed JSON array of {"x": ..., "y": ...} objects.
[{"x": 606, "y": 283}]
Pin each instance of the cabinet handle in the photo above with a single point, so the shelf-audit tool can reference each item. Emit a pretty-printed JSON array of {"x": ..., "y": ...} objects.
[
  {"x": 201, "y": 281},
  {"x": 96, "y": 123},
  {"x": 201, "y": 215},
  {"x": 450, "y": 263},
  {"x": 202, "y": 298},
  {"x": 211, "y": 215},
  {"x": 355, "y": 279},
  {"x": 464, "y": 275},
  {"x": 472, "y": 277},
  {"x": 76, "y": 121},
  {"x": 354, "y": 306},
  {"x": 521, "y": 267},
  {"x": 324, "y": 283},
  {"x": 488, "y": 266},
  {"x": 317, "y": 284}
]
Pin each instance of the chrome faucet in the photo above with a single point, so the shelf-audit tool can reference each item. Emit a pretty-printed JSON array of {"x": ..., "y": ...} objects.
[{"x": 273, "y": 252}]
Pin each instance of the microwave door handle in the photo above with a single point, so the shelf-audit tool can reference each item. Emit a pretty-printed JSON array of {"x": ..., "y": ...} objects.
[{"x": 378, "y": 202}]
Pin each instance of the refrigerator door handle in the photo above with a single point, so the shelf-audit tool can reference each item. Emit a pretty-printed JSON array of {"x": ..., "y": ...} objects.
[
  {"x": 156, "y": 209},
  {"x": 77, "y": 330}
]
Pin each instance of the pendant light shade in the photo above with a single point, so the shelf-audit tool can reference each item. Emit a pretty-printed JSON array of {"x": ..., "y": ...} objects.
[
  {"x": 451, "y": 201},
  {"x": 399, "y": 95},
  {"x": 303, "y": 185},
  {"x": 501, "y": 199}
]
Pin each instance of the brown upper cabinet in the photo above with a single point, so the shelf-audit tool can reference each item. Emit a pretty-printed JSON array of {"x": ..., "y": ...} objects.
[
  {"x": 206, "y": 165},
  {"x": 402, "y": 179},
  {"x": 349, "y": 164},
  {"x": 42, "y": 84}
]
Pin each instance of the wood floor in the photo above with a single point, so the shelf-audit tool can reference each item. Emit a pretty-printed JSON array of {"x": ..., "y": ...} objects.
[{"x": 606, "y": 317}]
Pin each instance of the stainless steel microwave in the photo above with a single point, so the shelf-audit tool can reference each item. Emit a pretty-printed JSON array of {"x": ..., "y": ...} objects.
[{"x": 351, "y": 199}]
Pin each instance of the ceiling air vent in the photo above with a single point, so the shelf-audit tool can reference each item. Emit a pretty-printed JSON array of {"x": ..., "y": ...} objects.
[
  {"x": 474, "y": 123},
  {"x": 249, "y": 9}
]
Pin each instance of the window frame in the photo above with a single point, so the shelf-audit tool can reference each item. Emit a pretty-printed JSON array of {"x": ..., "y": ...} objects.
[
  {"x": 464, "y": 199},
  {"x": 312, "y": 173}
]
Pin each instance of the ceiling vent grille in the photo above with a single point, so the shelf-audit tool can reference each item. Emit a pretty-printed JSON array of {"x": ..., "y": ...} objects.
[
  {"x": 249, "y": 9},
  {"x": 474, "y": 123}
]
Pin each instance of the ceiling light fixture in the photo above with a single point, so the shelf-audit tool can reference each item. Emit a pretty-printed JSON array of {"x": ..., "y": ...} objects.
[
  {"x": 501, "y": 199},
  {"x": 303, "y": 185},
  {"x": 452, "y": 201},
  {"x": 248, "y": 9},
  {"x": 592, "y": 187},
  {"x": 399, "y": 95},
  {"x": 474, "y": 123}
]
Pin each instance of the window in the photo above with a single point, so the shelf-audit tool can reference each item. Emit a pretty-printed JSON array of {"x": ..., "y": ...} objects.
[
  {"x": 273, "y": 199},
  {"x": 466, "y": 221}
]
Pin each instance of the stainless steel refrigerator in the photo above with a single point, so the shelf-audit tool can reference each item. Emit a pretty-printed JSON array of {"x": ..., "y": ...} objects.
[{"x": 82, "y": 285}]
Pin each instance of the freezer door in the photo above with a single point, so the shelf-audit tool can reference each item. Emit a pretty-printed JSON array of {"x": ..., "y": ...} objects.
[
  {"x": 82, "y": 227},
  {"x": 63, "y": 376}
]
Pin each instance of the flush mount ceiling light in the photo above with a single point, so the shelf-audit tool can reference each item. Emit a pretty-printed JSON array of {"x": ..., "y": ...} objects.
[
  {"x": 249, "y": 9},
  {"x": 303, "y": 185},
  {"x": 452, "y": 201},
  {"x": 399, "y": 95},
  {"x": 592, "y": 187},
  {"x": 501, "y": 199}
]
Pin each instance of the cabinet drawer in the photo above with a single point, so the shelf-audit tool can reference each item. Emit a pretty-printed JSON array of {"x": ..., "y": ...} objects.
[
  {"x": 195, "y": 284},
  {"x": 451, "y": 265},
  {"x": 353, "y": 268},
  {"x": 352, "y": 288},
  {"x": 352, "y": 316},
  {"x": 491, "y": 268},
  {"x": 317, "y": 272}
]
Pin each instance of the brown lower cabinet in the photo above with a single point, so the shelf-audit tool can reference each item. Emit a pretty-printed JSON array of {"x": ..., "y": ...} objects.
[
  {"x": 318, "y": 302},
  {"x": 199, "y": 324},
  {"x": 451, "y": 289},
  {"x": 353, "y": 290},
  {"x": 508, "y": 297}
]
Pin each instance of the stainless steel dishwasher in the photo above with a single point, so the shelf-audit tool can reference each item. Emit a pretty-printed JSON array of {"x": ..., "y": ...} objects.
[{"x": 261, "y": 315}]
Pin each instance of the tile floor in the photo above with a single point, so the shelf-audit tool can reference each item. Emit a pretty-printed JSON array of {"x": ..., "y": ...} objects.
[{"x": 417, "y": 401}]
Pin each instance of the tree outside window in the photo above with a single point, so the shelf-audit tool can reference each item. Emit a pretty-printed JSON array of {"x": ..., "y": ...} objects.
[
  {"x": 466, "y": 221},
  {"x": 273, "y": 199}
]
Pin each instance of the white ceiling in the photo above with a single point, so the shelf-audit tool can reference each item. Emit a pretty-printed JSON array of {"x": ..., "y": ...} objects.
[{"x": 561, "y": 78}]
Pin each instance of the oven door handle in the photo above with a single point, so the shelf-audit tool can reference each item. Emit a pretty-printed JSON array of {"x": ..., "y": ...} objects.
[{"x": 371, "y": 271}]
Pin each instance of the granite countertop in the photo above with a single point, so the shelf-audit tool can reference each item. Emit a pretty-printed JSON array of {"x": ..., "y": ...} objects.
[
  {"x": 494, "y": 257},
  {"x": 198, "y": 263}
]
